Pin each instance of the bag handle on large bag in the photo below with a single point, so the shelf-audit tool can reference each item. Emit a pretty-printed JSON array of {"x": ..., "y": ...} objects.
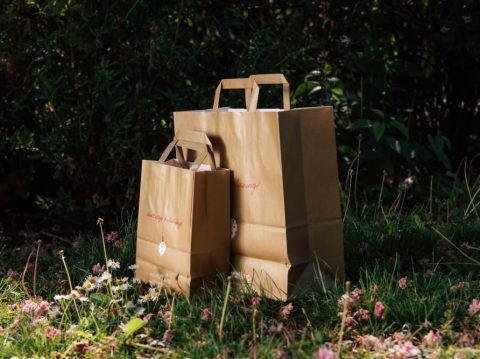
[
  {"x": 272, "y": 79},
  {"x": 191, "y": 140},
  {"x": 247, "y": 84}
]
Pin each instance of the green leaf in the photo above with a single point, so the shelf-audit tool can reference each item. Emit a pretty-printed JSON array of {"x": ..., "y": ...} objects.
[
  {"x": 349, "y": 150},
  {"x": 401, "y": 127},
  {"x": 378, "y": 112},
  {"x": 133, "y": 325},
  {"x": 337, "y": 91},
  {"x": 378, "y": 130},
  {"x": 359, "y": 124},
  {"x": 418, "y": 221}
]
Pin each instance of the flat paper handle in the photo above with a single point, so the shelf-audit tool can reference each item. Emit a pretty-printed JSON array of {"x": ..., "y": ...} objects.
[
  {"x": 192, "y": 140},
  {"x": 272, "y": 79},
  {"x": 246, "y": 84}
]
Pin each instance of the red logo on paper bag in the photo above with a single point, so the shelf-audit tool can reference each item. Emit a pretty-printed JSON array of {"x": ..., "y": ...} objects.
[
  {"x": 252, "y": 187},
  {"x": 167, "y": 219}
]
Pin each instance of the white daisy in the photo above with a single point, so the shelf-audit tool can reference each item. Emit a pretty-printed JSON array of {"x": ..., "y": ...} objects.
[
  {"x": 111, "y": 263},
  {"x": 105, "y": 277},
  {"x": 90, "y": 283}
]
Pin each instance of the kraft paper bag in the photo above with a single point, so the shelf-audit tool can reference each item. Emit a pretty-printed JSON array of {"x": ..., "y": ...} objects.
[
  {"x": 183, "y": 235},
  {"x": 285, "y": 201}
]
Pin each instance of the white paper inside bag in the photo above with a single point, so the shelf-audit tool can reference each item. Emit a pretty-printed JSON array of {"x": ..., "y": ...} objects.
[
  {"x": 228, "y": 109},
  {"x": 203, "y": 167}
]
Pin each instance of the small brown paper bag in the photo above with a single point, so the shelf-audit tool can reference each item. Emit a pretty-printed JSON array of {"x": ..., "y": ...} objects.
[{"x": 183, "y": 236}]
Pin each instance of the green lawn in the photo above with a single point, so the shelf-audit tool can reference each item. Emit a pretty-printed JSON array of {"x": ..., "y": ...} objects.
[{"x": 413, "y": 290}]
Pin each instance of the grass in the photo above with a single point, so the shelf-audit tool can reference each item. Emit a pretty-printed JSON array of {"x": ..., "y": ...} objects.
[{"x": 416, "y": 285}]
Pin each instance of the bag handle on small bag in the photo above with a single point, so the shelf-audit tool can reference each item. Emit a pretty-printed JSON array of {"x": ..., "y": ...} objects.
[
  {"x": 191, "y": 140},
  {"x": 247, "y": 84},
  {"x": 272, "y": 79}
]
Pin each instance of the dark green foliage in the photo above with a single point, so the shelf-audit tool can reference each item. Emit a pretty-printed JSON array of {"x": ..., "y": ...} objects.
[{"x": 88, "y": 87}]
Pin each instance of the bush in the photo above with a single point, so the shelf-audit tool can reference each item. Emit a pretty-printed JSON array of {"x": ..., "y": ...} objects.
[{"x": 89, "y": 87}]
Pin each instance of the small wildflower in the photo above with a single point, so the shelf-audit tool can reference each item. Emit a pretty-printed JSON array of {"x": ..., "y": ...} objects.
[
  {"x": 133, "y": 267},
  {"x": 474, "y": 307},
  {"x": 285, "y": 311},
  {"x": 168, "y": 335},
  {"x": 119, "y": 244},
  {"x": 105, "y": 277},
  {"x": 111, "y": 344},
  {"x": 362, "y": 315},
  {"x": 408, "y": 182},
  {"x": 53, "y": 311},
  {"x": 112, "y": 236},
  {"x": 12, "y": 274},
  {"x": 121, "y": 287},
  {"x": 405, "y": 350},
  {"x": 350, "y": 321},
  {"x": 80, "y": 346},
  {"x": 75, "y": 294},
  {"x": 206, "y": 315},
  {"x": 459, "y": 287},
  {"x": 147, "y": 317},
  {"x": 98, "y": 269},
  {"x": 237, "y": 299},
  {"x": 52, "y": 332},
  {"x": 166, "y": 316},
  {"x": 273, "y": 329},
  {"x": 60, "y": 297},
  {"x": 29, "y": 307},
  {"x": 255, "y": 301},
  {"x": 370, "y": 342},
  {"x": 90, "y": 283},
  {"x": 431, "y": 339},
  {"x": 357, "y": 294},
  {"x": 281, "y": 354},
  {"x": 465, "y": 246},
  {"x": 466, "y": 340},
  {"x": 150, "y": 296},
  {"x": 324, "y": 353},
  {"x": 129, "y": 305},
  {"x": 346, "y": 300},
  {"x": 111, "y": 263},
  {"x": 40, "y": 321},
  {"x": 379, "y": 310},
  {"x": 403, "y": 282},
  {"x": 42, "y": 307}
]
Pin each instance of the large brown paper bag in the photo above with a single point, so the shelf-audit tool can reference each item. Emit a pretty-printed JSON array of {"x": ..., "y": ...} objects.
[
  {"x": 183, "y": 235},
  {"x": 282, "y": 214}
]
